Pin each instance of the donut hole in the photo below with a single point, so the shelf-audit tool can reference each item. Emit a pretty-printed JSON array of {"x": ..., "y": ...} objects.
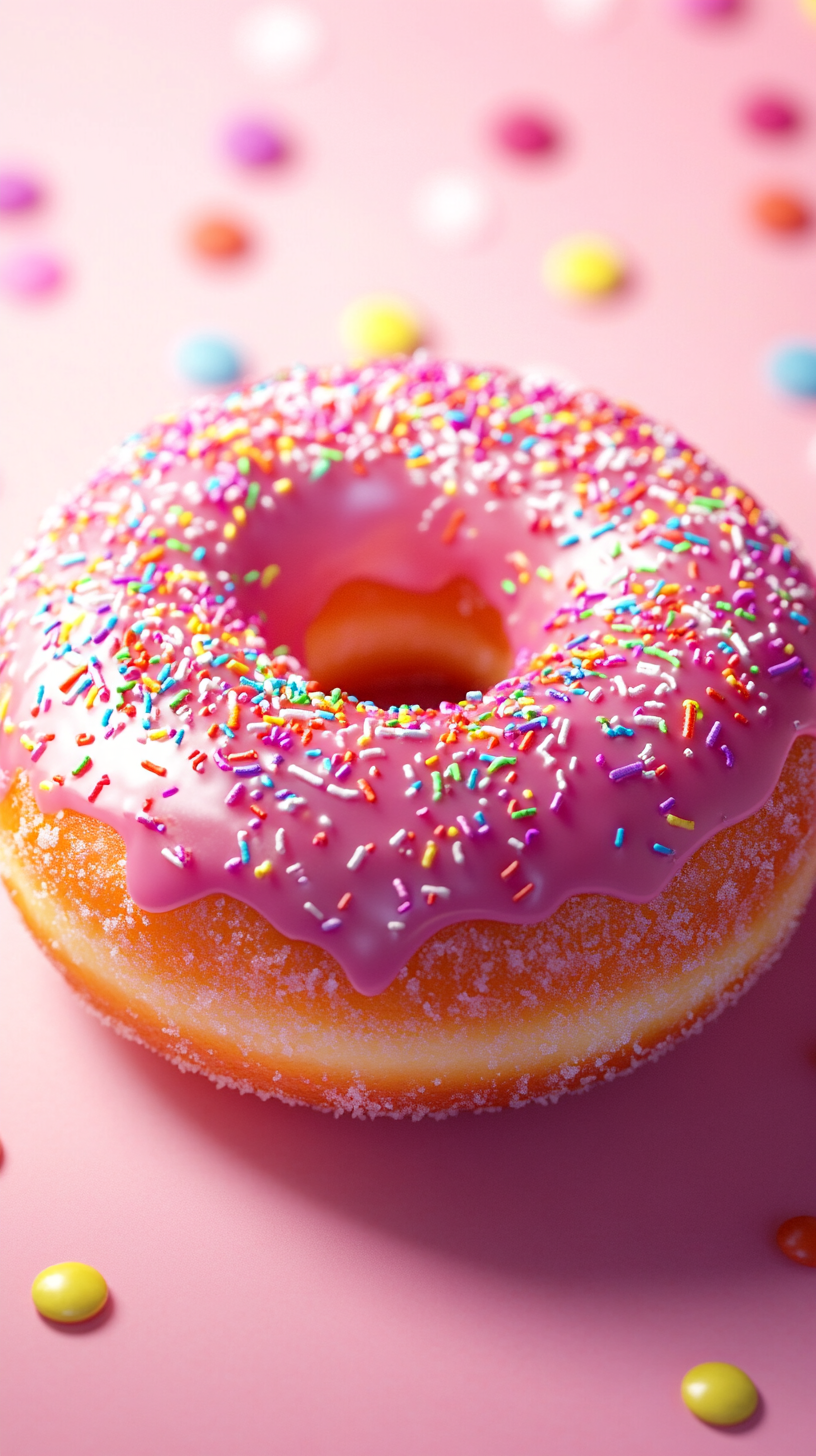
[{"x": 388, "y": 645}]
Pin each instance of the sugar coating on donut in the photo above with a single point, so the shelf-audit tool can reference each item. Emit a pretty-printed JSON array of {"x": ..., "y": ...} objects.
[{"x": 151, "y": 641}]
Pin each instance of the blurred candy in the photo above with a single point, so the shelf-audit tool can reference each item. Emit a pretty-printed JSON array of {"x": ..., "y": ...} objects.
[
  {"x": 452, "y": 209},
  {"x": 526, "y": 133},
  {"x": 808, "y": 9},
  {"x": 218, "y": 238},
  {"x": 796, "y": 1237},
  {"x": 18, "y": 191},
  {"x": 378, "y": 325},
  {"x": 771, "y": 113},
  {"x": 793, "y": 370},
  {"x": 706, "y": 9},
  {"x": 209, "y": 359},
  {"x": 578, "y": 14},
  {"x": 69, "y": 1293},
  {"x": 253, "y": 142},
  {"x": 279, "y": 40},
  {"x": 780, "y": 212},
  {"x": 30, "y": 274},
  {"x": 584, "y": 266},
  {"x": 718, "y": 1393}
]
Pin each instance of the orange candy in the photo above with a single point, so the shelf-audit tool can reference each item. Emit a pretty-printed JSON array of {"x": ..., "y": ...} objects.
[
  {"x": 796, "y": 1237},
  {"x": 218, "y": 238},
  {"x": 781, "y": 212}
]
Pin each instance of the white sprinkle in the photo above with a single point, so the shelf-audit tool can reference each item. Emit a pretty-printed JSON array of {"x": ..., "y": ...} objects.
[
  {"x": 341, "y": 793},
  {"x": 173, "y": 858},
  {"x": 452, "y": 209},
  {"x": 306, "y": 775},
  {"x": 372, "y": 753},
  {"x": 596, "y": 694},
  {"x": 357, "y": 857},
  {"x": 293, "y": 868},
  {"x": 280, "y": 41},
  {"x": 280, "y": 841},
  {"x": 441, "y": 890},
  {"x": 458, "y": 852},
  {"x": 396, "y": 924},
  {"x": 573, "y": 764},
  {"x": 650, "y": 669},
  {"x": 562, "y": 733},
  {"x": 313, "y": 910},
  {"x": 398, "y": 837},
  {"x": 561, "y": 781}
]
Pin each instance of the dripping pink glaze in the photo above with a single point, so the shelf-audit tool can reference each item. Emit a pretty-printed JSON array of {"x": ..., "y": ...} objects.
[{"x": 388, "y": 523}]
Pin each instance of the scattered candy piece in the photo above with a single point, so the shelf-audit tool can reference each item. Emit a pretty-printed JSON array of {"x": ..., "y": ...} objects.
[
  {"x": 18, "y": 191},
  {"x": 583, "y": 266},
  {"x": 378, "y": 325},
  {"x": 722, "y": 1395},
  {"x": 219, "y": 238},
  {"x": 808, "y": 9},
  {"x": 69, "y": 1293},
  {"x": 780, "y": 212},
  {"x": 793, "y": 370},
  {"x": 279, "y": 40},
  {"x": 31, "y": 274},
  {"x": 773, "y": 114},
  {"x": 526, "y": 133},
  {"x": 253, "y": 142},
  {"x": 706, "y": 9},
  {"x": 452, "y": 209},
  {"x": 209, "y": 359},
  {"x": 796, "y": 1237}
]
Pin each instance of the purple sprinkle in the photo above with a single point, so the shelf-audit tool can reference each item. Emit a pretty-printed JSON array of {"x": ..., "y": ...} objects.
[
  {"x": 333, "y": 924},
  {"x": 168, "y": 793},
  {"x": 559, "y": 697},
  {"x": 611, "y": 661},
  {"x": 556, "y": 803},
  {"x": 234, "y": 794},
  {"x": 18, "y": 191},
  {"x": 219, "y": 759},
  {"x": 233, "y": 864},
  {"x": 714, "y": 734},
  {"x": 779, "y": 668},
  {"x": 600, "y": 760},
  {"x": 729, "y": 757},
  {"x": 807, "y": 677},
  {"x": 404, "y": 907},
  {"x": 627, "y": 772},
  {"x": 247, "y": 770},
  {"x": 252, "y": 142},
  {"x": 667, "y": 806},
  {"x": 531, "y": 836}
]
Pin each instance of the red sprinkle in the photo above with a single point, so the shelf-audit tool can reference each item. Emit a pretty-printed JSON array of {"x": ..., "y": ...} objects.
[{"x": 154, "y": 768}]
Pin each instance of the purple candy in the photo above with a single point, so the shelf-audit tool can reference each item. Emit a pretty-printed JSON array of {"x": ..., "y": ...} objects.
[
  {"x": 771, "y": 113},
  {"x": 627, "y": 772},
  {"x": 18, "y": 191},
  {"x": 252, "y": 142},
  {"x": 31, "y": 274}
]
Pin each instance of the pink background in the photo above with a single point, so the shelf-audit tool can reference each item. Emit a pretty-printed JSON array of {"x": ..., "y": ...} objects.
[{"x": 536, "y": 1281}]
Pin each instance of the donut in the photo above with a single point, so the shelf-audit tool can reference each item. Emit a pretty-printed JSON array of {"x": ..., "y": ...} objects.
[{"x": 408, "y": 738}]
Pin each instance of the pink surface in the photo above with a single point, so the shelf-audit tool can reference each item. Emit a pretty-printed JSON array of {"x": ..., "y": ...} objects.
[{"x": 536, "y": 1281}]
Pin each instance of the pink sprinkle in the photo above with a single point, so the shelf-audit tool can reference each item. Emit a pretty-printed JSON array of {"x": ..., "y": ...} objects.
[{"x": 31, "y": 275}]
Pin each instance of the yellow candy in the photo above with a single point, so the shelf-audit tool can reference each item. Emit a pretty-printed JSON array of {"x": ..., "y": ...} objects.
[
  {"x": 378, "y": 325},
  {"x": 583, "y": 266},
  {"x": 69, "y": 1292},
  {"x": 808, "y": 9},
  {"x": 721, "y": 1394}
]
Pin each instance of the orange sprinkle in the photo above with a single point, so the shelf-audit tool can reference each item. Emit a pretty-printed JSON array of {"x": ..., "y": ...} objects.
[
  {"x": 344, "y": 901},
  {"x": 510, "y": 869},
  {"x": 365, "y": 788},
  {"x": 519, "y": 895},
  {"x": 155, "y": 768},
  {"x": 452, "y": 526}
]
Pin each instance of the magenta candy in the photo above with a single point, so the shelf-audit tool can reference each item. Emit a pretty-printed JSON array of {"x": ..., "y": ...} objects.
[
  {"x": 18, "y": 191},
  {"x": 31, "y": 274},
  {"x": 771, "y": 113},
  {"x": 252, "y": 142},
  {"x": 706, "y": 9},
  {"x": 527, "y": 133}
]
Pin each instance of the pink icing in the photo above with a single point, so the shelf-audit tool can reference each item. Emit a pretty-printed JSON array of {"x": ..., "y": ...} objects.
[{"x": 379, "y": 460}]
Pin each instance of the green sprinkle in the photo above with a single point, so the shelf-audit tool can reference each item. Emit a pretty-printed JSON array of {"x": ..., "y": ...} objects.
[
  {"x": 175, "y": 545},
  {"x": 252, "y": 576},
  {"x": 509, "y": 587},
  {"x": 616, "y": 549},
  {"x": 667, "y": 656},
  {"x": 282, "y": 651},
  {"x": 681, "y": 547},
  {"x": 454, "y": 772},
  {"x": 253, "y": 491},
  {"x": 330, "y": 454},
  {"x": 590, "y": 611},
  {"x": 522, "y": 813},
  {"x": 522, "y": 414},
  {"x": 436, "y": 780},
  {"x": 500, "y": 763},
  {"x": 177, "y": 701},
  {"x": 319, "y": 469},
  {"x": 707, "y": 502},
  {"x": 243, "y": 466},
  {"x": 82, "y": 767}
]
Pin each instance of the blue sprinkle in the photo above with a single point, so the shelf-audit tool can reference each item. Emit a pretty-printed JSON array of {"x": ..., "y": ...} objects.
[
  {"x": 662, "y": 849},
  {"x": 244, "y": 848},
  {"x": 570, "y": 540},
  {"x": 602, "y": 530},
  {"x": 618, "y": 838},
  {"x": 199, "y": 553},
  {"x": 106, "y": 717},
  {"x": 208, "y": 359},
  {"x": 792, "y": 369},
  {"x": 473, "y": 778},
  {"x": 576, "y": 641}
]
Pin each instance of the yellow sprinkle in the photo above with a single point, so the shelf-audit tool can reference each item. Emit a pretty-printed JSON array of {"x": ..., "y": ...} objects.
[
  {"x": 544, "y": 572},
  {"x": 378, "y": 325},
  {"x": 239, "y": 514},
  {"x": 263, "y": 869},
  {"x": 583, "y": 266},
  {"x": 92, "y": 695},
  {"x": 26, "y": 742},
  {"x": 679, "y": 823},
  {"x": 718, "y": 1393},
  {"x": 268, "y": 575},
  {"x": 433, "y": 759},
  {"x": 450, "y": 487},
  {"x": 5, "y": 699},
  {"x": 46, "y": 787},
  {"x": 429, "y": 855},
  {"x": 230, "y": 530},
  {"x": 281, "y": 486},
  {"x": 159, "y": 733},
  {"x": 452, "y": 831},
  {"x": 8, "y": 726},
  {"x": 69, "y": 1293}
]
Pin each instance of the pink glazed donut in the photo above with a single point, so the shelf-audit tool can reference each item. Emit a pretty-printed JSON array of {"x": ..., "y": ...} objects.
[{"x": 541, "y": 801}]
